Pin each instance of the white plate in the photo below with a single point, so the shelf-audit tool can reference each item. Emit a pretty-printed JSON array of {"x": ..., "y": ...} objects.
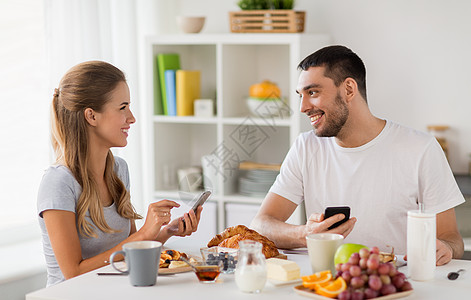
[
  {"x": 280, "y": 283},
  {"x": 301, "y": 290},
  {"x": 295, "y": 251}
]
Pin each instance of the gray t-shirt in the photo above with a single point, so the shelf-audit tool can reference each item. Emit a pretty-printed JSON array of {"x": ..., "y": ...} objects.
[{"x": 60, "y": 191}]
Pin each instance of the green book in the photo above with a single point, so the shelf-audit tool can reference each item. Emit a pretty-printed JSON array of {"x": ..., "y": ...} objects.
[
  {"x": 166, "y": 61},
  {"x": 158, "y": 108}
]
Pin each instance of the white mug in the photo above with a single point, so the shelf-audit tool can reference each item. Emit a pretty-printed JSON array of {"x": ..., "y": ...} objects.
[
  {"x": 421, "y": 245},
  {"x": 321, "y": 248}
]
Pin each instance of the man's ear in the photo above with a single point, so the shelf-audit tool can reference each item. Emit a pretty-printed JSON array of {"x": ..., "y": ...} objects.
[
  {"x": 90, "y": 116},
  {"x": 351, "y": 88}
]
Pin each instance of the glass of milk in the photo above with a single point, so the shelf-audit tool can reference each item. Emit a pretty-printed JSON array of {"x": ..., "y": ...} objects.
[{"x": 251, "y": 269}]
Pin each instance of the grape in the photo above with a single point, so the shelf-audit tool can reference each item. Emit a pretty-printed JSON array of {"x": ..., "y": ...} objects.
[
  {"x": 346, "y": 276},
  {"x": 339, "y": 274},
  {"x": 385, "y": 279},
  {"x": 364, "y": 276},
  {"x": 371, "y": 272},
  {"x": 338, "y": 267},
  {"x": 406, "y": 286},
  {"x": 346, "y": 267},
  {"x": 398, "y": 281},
  {"x": 370, "y": 294},
  {"x": 383, "y": 269},
  {"x": 355, "y": 271},
  {"x": 357, "y": 295},
  {"x": 388, "y": 289},
  {"x": 392, "y": 271},
  {"x": 345, "y": 295},
  {"x": 364, "y": 253},
  {"x": 372, "y": 263},
  {"x": 374, "y": 282},
  {"x": 375, "y": 250},
  {"x": 374, "y": 256},
  {"x": 400, "y": 274},
  {"x": 354, "y": 259},
  {"x": 357, "y": 282},
  {"x": 362, "y": 262}
]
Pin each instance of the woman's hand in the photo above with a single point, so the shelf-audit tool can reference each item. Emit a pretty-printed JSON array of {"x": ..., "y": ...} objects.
[
  {"x": 158, "y": 214},
  {"x": 182, "y": 226}
]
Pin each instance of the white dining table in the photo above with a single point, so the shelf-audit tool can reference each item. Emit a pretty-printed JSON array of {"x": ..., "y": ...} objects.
[{"x": 186, "y": 286}]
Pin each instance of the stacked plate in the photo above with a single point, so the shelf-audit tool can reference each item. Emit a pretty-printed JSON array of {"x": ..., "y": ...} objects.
[{"x": 256, "y": 183}]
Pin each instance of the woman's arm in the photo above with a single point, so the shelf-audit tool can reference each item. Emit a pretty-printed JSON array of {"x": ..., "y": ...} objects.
[{"x": 62, "y": 231}]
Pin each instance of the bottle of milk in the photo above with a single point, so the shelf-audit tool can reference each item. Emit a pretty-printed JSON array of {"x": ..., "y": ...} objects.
[{"x": 251, "y": 269}]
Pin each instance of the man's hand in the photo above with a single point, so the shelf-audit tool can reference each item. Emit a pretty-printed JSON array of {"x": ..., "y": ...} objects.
[
  {"x": 444, "y": 252},
  {"x": 317, "y": 224}
]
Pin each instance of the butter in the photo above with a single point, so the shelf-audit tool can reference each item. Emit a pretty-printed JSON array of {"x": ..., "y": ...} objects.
[
  {"x": 177, "y": 264},
  {"x": 282, "y": 269}
]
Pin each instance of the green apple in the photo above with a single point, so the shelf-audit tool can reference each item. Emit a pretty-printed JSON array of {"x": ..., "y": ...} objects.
[{"x": 344, "y": 252}]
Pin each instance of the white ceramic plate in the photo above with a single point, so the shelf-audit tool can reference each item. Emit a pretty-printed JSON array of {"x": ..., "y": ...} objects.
[
  {"x": 301, "y": 290},
  {"x": 280, "y": 283}
]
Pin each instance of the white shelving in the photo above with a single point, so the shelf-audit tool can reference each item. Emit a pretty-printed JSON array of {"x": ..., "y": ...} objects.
[{"x": 229, "y": 64}]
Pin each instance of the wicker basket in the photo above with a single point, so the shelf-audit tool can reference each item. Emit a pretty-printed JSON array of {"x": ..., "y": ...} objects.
[{"x": 279, "y": 20}]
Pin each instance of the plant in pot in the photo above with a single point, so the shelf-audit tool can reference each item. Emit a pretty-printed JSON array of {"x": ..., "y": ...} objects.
[
  {"x": 271, "y": 16},
  {"x": 265, "y": 4}
]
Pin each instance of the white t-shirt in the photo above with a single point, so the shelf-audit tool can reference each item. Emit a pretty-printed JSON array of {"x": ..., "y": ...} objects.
[{"x": 380, "y": 181}]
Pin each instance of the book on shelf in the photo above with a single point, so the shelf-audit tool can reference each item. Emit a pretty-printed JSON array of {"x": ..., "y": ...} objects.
[
  {"x": 188, "y": 87},
  {"x": 158, "y": 108},
  {"x": 171, "y": 92},
  {"x": 166, "y": 61}
]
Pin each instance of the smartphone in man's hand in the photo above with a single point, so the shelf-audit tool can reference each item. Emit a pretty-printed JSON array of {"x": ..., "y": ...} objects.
[{"x": 334, "y": 210}]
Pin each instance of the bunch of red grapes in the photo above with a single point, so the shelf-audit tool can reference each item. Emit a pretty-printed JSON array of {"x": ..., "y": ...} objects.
[{"x": 368, "y": 278}]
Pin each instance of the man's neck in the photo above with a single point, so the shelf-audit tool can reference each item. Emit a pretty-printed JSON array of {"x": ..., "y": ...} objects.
[{"x": 360, "y": 131}]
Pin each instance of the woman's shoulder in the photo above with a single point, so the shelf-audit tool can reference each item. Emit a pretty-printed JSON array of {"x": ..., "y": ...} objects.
[
  {"x": 58, "y": 173},
  {"x": 121, "y": 166}
]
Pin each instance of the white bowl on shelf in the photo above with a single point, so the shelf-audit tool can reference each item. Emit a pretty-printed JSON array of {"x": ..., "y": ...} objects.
[
  {"x": 270, "y": 107},
  {"x": 190, "y": 24}
]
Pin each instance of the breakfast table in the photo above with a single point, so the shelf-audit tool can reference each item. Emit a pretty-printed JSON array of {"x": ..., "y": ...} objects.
[{"x": 91, "y": 286}]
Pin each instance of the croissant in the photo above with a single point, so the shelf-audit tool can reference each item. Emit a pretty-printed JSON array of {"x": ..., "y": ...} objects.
[{"x": 231, "y": 237}]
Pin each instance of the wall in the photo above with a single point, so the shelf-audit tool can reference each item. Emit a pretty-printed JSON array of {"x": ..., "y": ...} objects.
[{"x": 416, "y": 53}]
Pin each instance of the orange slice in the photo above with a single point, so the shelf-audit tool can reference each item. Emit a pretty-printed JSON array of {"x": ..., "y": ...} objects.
[
  {"x": 317, "y": 279},
  {"x": 333, "y": 289}
]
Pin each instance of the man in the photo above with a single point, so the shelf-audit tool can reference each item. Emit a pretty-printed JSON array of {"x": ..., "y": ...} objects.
[{"x": 377, "y": 167}]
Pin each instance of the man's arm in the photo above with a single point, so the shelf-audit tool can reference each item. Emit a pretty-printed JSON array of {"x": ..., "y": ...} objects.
[
  {"x": 449, "y": 241},
  {"x": 275, "y": 210},
  {"x": 270, "y": 222}
]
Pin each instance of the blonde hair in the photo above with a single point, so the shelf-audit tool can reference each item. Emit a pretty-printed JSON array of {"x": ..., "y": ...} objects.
[{"x": 87, "y": 85}]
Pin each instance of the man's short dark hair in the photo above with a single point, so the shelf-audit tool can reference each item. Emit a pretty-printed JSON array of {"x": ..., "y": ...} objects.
[{"x": 340, "y": 63}]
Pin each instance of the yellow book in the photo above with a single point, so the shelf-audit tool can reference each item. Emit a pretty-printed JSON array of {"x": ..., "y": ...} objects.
[{"x": 188, "y": 88}]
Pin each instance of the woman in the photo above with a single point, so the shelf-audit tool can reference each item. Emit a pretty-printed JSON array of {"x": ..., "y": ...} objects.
[{"x": 83, "y": 202}]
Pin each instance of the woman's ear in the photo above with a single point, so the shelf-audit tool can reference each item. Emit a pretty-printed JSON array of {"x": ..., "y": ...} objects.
[{"x": 90, "y": 116}]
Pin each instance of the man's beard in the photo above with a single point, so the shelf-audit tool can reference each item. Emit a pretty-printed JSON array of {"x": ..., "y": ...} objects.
[{"x": 336, "y": 119}]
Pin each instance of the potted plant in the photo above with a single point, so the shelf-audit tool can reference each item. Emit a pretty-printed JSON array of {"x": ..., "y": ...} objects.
[
  {"x": 265, "y": 4},
  {"x": 267, "y": 16}
]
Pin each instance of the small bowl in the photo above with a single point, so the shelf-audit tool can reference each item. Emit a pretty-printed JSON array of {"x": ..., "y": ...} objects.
[
  {"x": 189, "y": 24},
  {"x": 227, "y": 257},
  {"x": 271, "y": 107},
  {"x": 207, "y": 273}
]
